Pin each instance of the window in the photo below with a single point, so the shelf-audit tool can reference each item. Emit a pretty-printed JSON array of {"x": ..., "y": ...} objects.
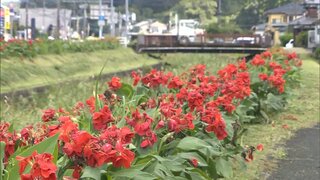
[
  {"x": 291, "y": 18},
  {"x": 190, "y": 25},
  {"x": 275, "y": 21}
]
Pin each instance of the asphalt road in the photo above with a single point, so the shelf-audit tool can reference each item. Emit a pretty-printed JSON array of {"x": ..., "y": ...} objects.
[{"x": 303, "y": 157}]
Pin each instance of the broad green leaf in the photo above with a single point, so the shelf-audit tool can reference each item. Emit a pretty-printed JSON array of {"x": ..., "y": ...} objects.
[
  {"x": 224, "y": 167},
  {"x": 196, "y": 176},
  {"x": 193, "y": 155},
  {"x": 126, "y": 90},
  {"x": 132, "y": 174},
  {"x": 143, "y": 99},
  {"x": 47, "y": 146},
  {"x": 2, "y": 147},
  {"x": 55, "y": 154},
  {"x": 92, "y": 173},
  {"x": 192, "y": 143},
  {"x": 203, "y": 174},
  {"x": 276, "y": 102},
  {"x": 264, "y": 115},
  {"x": 11, "y": 128},
  {"x": 163, "y": 140}
]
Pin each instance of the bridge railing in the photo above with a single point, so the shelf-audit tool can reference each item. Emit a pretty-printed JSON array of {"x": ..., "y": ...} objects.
[{"x": 206, "y": 40}]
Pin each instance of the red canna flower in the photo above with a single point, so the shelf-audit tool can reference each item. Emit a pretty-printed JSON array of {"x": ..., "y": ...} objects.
[
  {"x": 266, "y": 54},
  {"x": 91, "y": 103},
  {"x": 160, "y": 124},
  {"x": 8, "y": 138},
  {"x": 48, "y": 115},
  {"x": 42, "y": 166},
  {"x": 285, "y": 126},
  {"x": 194, "y": 162},
  {"x": 175, "y": 83},
  {"x": 77, "y": 172},
  {"x": 149, "y": 140},
  {"x": 260, "y": 147},
  {"x": 263, "y": 76},
  {"x": 115, "y": 83},
  {"x": 136, "y": 78},
  {"x": 257, "y": 60},
  {"x": 102, "y": 118},
  {"x": 219, "y": 128},
  {"x": 242, "y": 65},
  {"x": 292, "y": 56},
  {"x": 75, "y": 144},
  {"x": 124, "y": 157}
]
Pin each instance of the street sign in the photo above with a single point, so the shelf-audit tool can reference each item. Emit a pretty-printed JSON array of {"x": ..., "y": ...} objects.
[
  {"x": 101, "y": 18},
  {"x": 101, "y": 22},
  {"x": 1, "y": 21},
  {"x": 7, "y": 25}
]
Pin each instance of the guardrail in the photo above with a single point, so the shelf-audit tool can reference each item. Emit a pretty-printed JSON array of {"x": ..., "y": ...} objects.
[{"x": 205, "y": 40}]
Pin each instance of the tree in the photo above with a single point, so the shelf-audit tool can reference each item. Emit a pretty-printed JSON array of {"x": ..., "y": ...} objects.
[{"x": 203, "y": 10}]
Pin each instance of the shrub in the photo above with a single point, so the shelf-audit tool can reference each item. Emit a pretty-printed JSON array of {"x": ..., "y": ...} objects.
[
  {"x": 29, "y": 49},
  {"x": 302, "y": 39},
  {"x": 285, "y": 38},
  {"x": 317, "y": 53},
  {"x": 160, "y": 126},
  {"x": 223, "y": 28}
]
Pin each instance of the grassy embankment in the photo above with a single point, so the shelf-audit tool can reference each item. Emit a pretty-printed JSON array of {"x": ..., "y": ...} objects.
[
  {"x": 302, "y": 110},
  {"x": 50, "y": 69},
  {"x": 23, "y": 111}
]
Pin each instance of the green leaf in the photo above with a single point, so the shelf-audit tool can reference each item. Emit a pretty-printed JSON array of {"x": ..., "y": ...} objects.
[
  {"x": 2, "y": 147},
  {"x": 192, "y": 143},
  {"x": 198, "y": 172},
  {"x": 55, "y": 154},
  {"x": 132, "y": 174},
  {"x": 47, "y": 146},
  {"x": 193, "y": 155},
  {"x": 143, "y": 99},
  {"x": 224, "y": 167},
  {"x": 264, "y": 115},
  {"x": 126, "y": 90},
  {"x": 163, "y": 140},
  {"x": 11, "y": 128},
  {"x": 92, "y": 173},
  {"x": 276, "y": 102}
]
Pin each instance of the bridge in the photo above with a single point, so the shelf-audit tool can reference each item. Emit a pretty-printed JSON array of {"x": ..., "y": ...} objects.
[{"x": 206, "y": 43}]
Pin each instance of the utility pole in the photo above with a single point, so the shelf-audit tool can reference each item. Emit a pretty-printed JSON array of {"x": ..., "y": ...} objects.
[
  {"x": 27, "y": 19},
  {"x": 58, "y": 20},
  {"x": 43, "y": 15},
  {"x": 219, "y": 12},
  {"x": 127, "y": 18},
  {"x": 100, "y": 21},
  {"x": 112, "y": 20}
]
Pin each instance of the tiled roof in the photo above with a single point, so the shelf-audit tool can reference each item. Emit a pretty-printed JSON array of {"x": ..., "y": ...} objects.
[
  {"x": 304, "y": 21},
  {"x": 289, "y": 9}
]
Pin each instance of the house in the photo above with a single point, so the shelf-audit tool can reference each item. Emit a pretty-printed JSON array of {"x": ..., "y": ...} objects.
[
  {"x": 148, "y": 27},
  {"x": 309, "y": 22},
  {"x": 278, "y": 19},
  {"x": 259, "y": 29},
  {"x": 44, "y": 18}
]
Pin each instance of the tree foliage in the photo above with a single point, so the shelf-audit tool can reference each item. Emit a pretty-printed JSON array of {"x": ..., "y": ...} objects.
[{"x": 203, "y": 10}]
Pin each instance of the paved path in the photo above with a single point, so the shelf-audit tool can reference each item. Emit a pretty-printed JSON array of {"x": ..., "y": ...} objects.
[{"x": 303, "y": 157}]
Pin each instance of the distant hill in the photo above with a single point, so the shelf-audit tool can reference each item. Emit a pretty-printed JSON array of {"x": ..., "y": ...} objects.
[{"x": 245, "y": 13}]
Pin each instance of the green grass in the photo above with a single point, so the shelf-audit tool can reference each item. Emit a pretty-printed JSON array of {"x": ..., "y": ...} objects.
[
  {"x": 48, "y": 69},
  {"x": 22, "y": 111},
  {"x": 302, "y": 112}
]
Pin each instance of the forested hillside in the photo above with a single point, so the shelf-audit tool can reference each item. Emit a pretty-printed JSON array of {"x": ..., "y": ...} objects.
[{"x": 242, "y": 13}]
